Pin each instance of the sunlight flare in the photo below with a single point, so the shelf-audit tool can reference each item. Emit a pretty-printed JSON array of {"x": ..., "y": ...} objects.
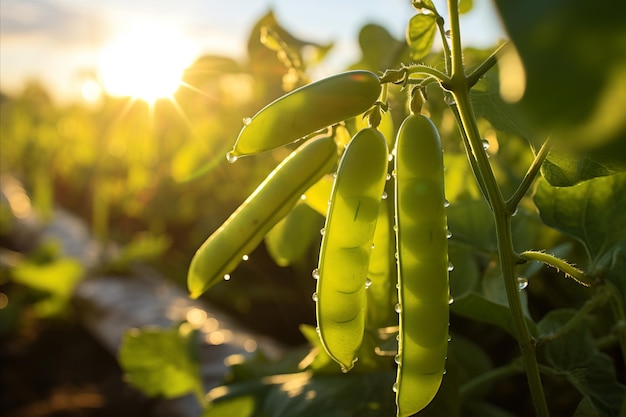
[{"x": 146, "y": 62}]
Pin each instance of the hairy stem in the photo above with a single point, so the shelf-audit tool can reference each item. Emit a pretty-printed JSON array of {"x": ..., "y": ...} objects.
[{"x": 530, "y": 176}]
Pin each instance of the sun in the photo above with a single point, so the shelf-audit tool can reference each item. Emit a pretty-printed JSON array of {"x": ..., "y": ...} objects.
[{"x": 147, "y": 62}]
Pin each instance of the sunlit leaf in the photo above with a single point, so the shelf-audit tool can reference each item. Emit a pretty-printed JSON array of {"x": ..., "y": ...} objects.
[
  {"x": 162, "y": 361},
  {"x": 420, "y": 34},
  {"x": 305, "y": 394},
  {"x": 562, "y": 169},
  {"x": 574, "y": 57},
  {"x": 57, "y": 278},
  {"x": 591, "y": 211}
]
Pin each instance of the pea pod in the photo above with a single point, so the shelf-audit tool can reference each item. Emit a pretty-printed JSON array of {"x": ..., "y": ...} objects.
[
  {"x": 267, "y": 205},
  {"x": 347, "y": 245},
  {"x": 421, "y": 235},
  {"x": 306, "y": 110}
]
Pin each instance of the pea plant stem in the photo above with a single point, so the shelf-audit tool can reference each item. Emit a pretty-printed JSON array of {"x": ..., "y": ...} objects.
[{"x": 459, "y": 88}]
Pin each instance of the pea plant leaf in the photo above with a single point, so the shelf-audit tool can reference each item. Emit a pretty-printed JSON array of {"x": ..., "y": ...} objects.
[
  {"x": 162, "y": 361},
  {"x": 574, "y": 356},
  {"x": 465, "y": 6},
  {"x": 574, "y": 89},
  {"x": 591, "y": 211},
  {"x": 421, "y": 34},
  {"x": 563, "y": 169}
]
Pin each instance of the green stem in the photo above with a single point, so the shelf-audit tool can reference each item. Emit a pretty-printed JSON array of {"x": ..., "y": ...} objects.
[
  {"x": 561, "y": 265},
  {"x": 530, "y": 176},
  {"x": 444, "y": 41},
  {"x": 468, "y": 151},
  {"x": 425, "y": 69},
  {"x": 459, "y": 88},
  {"x": 485, "y": 66}
]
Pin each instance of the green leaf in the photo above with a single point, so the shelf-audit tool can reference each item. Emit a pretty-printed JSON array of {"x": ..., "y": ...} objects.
[
  {"x": 471, "y": 223},
  {"x": 574, "y": 57},
  {"x": 56, "y": 277},
  {"x": 424, "y": 4},
  {"x": 592, "y": 211},
  {"x": 574, "y": 355},
  {"x": 420, "y": 34},
  {"x": 162, "y": 361},
  {"x": 290, "y": 239},
  {"x": 305, "y": 394},
  {"x": 379, "y": 49},
  {"x": 477, "y": 307},
  {"x": 563, "y": 169}
]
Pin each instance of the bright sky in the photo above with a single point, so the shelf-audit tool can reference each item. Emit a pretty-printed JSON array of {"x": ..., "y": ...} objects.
[{"x": 62, "y": 41}]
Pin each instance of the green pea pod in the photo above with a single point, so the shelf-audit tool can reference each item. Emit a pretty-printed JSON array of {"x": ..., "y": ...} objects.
[
  {"x": 421, "y": 236},
  {"x": 267, "y": 205},
  {"x": 292, "y": 237},
  {"x": 306, "y": 110},
  {"x": 382, "y": 271},
  {"x": 347, "y": 244}
]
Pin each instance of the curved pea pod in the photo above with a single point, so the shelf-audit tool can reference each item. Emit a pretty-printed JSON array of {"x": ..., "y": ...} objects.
[
  {"x": 421, "y": 236},
  {"x": 347, "y": 244},
  {"x": 306, "y": 110},
  {"x": 265, "y": 207}
]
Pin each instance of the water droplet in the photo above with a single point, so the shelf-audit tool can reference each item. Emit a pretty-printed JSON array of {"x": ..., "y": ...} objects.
[
  {"x": 318, "y": 330},
  {"x": 397, "y": 359},
  {"x": 303, "y": 197},
  {"x": 449, "y": 99},
  {"x": 373, "y": 245},
  {"x": 245, "y": 257},
  {"x": 515, "y": 211},
  {"x": 396, "y": 255},
  {"x": 335, "y": 174},
  {"x": 522, "y": 283},
  {"x": 314, "y": 296},
  {"x": 368, "y": 283},
  {"x": 394, "y": 388},
  {"x": 388, "y": 177},
  {"x": 322, "y": 231},
  {"x": 226, "y": 277},
  {"x": 393, "y": 173},
  {"x": 397, "y": 286},
  {"x": 247, "y": 121},
  {"x": 398, "y": 308},
  {"x": 231, "y": 157},
  {"x": 316, "y": 273},
  {"x": 446, "y": 203},
  {"x": 448, "y": 234},
  {"x": 344, "y": 369},
  {"x": 450, "y": 267},
  {"x": 485, "y": 143},
  {"x": 384, "y": 196},
  {"x": 395, "y": 227},
  {"x": 450, "y": 300},
  {"x": 398, "y": 337},
  {"x": 444, "y": 371}
]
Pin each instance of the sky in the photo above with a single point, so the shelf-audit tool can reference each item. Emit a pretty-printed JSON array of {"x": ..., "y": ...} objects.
[{"x": 59, "y": 42}]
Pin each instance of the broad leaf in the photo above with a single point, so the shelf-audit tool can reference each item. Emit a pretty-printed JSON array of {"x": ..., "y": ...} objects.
[
  {"x": 477, "y": 307},
  {"x": 591, "y": 211},
  {"x": 465, "y": 6},
  {"x": 574, "y": 57},
  {"x": 563, "y": 169},
  {"x": 590, "y": 371},
  {"x": 162, "y": 361},
  {"x": 421, "y": 34}
]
